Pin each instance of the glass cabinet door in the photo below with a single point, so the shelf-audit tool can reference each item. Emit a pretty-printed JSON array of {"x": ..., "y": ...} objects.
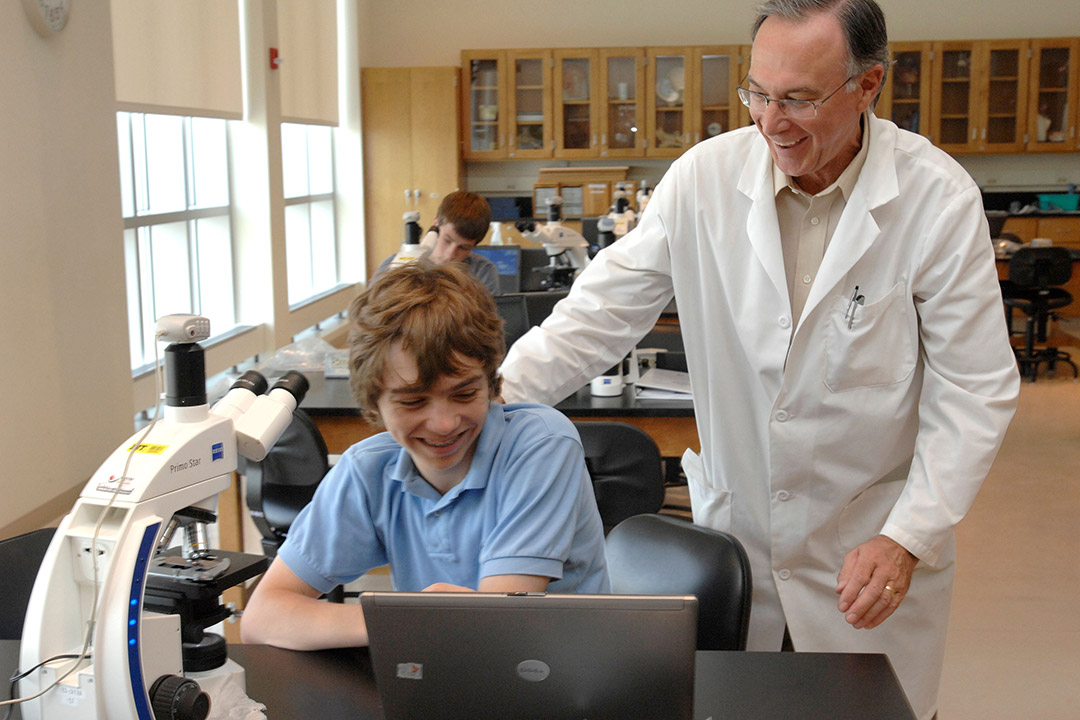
[
  {"x": 1053, "y": 86},
  {"x": 1005, "y": 116},
  {"x": 905, "y": 98},
  {"x": 622, "y": 112},
  {"x": 483, "y": 104},
  {"x": 668, "y": 123},
  {"x": 954, "y": 128},
  {"x": 716, "y": 70},
  {"x": 576, "y": 90},
  {"x": 529, "y": 115}
]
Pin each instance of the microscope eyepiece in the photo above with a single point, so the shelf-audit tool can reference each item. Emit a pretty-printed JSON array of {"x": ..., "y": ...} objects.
[
  {"x": 252, "y": 380},
  {"x": 295, "y": 383}
]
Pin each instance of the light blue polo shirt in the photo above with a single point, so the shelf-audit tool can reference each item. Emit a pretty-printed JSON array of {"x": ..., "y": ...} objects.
[{"x": 526, "y": 506}]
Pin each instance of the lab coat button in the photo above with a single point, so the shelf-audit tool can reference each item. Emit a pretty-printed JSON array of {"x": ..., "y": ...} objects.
[
  {"x": 781, "y": 415},
  {"x": 806, "y": 279},
  {"x": 784, "y": 574},
  {"x": 814, "y": 221},
  {"x": 783, "y": 495},
  {"x": 785, "y": 321}
]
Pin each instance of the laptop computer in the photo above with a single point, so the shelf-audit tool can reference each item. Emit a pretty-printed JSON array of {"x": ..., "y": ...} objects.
[
  {"x": 483, "y": 655},
  {"x": 507, "y": 259}
]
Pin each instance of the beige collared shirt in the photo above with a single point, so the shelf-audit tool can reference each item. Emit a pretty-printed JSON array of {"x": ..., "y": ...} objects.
[{"x": 807, "y": 223}]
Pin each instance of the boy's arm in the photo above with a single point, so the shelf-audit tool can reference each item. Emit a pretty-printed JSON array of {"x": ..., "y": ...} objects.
[
  {"x": 286, "y": 612},
  {"x": 498, "y": 584}
]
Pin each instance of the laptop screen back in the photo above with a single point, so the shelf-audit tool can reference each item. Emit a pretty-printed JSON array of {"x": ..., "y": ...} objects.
[{"x": 537, "y": 656}]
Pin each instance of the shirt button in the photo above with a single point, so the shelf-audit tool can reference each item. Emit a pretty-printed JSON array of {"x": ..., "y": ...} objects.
[
  {"x": 781, "y": 415},
  {"x": 784, "y": 574},
  {"x": 784, "y": 321},
  {"x": 806, "y": 279},
  {"x": 437, "y": 513},
  {"x": 783, "y": 495},
  {"x": 814, "y": 221}
]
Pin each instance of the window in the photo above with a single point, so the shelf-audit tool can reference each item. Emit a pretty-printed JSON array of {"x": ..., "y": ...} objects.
[
  {"x": 177, "y": 234},
  {"x": 310, "y": 239}
]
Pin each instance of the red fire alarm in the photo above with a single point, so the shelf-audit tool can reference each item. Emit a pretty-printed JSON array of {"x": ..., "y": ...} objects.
[{"x": 275, "y": 60}]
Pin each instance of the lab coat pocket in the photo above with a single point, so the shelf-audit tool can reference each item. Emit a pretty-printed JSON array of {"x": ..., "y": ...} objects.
[
  {"x": 878, "y": 346},
  {"x": 711, "y": 505},
  {"x": 863, "y": 517}
]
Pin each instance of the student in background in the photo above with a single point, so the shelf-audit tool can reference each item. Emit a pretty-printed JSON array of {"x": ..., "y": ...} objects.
[
  {"x": 461, "y": 493},
  {"x": 461, "y": 223}
]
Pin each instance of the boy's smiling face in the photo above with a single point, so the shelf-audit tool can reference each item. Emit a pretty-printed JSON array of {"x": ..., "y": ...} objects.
[{"x": 440, "y": 425}]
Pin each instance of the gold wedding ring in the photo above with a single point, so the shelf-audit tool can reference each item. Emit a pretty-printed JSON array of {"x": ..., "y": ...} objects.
[{"x": 890, "y": 588}]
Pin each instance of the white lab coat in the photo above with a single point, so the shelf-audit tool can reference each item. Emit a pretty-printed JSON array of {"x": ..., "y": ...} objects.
[{"x": 815, "y": 442}]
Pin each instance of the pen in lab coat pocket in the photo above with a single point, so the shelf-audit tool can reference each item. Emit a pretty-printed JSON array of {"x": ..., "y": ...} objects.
[{"x": 855, "y": 302}]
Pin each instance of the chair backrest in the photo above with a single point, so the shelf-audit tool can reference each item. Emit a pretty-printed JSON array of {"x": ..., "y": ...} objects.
[
  {"x": 657, "y": 554},
  {"x": 20, "y": 559},
  {"x": 1040, "y": 267},
  {"x": 285, "y": 480},
  {"x": 515, "y": 315},
  {"x": 626, "y": 469}
]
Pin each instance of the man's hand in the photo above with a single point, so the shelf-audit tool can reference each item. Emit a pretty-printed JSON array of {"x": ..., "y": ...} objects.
[{"x": 873, "y": 581}]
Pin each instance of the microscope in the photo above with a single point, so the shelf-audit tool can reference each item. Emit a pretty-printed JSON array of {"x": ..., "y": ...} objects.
[
  {"x": 620, "y": 213},
  {"x": 567, "y": 250},
  {"x": 115, "y": 626}
]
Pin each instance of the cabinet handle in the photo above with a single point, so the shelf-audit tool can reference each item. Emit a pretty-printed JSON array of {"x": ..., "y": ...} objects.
[
  {"x": 594, "y": 140},
  {"x": 408, "y": 196},
  {"x": 984, "y": 134},
  {"x": 416, "y": 196},
  {"x": 974, "y": 133}
]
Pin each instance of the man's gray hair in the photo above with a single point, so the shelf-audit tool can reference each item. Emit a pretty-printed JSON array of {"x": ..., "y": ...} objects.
[{"x": 862, "y": 20}]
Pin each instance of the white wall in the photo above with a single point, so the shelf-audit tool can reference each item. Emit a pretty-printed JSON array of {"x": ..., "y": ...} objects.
[
  {"x": 433, "y": 32},
  {"x": 65, "y": 400}
]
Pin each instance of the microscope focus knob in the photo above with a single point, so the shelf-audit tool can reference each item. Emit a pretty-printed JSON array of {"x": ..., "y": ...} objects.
[{"x": 177, "y": 698}]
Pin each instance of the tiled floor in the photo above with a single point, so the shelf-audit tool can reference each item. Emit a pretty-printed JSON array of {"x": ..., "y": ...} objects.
[{"x": 1014, "y": 640}]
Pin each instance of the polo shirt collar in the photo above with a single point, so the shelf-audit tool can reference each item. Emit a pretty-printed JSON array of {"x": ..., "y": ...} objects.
[{"x": 491, "y": 435}]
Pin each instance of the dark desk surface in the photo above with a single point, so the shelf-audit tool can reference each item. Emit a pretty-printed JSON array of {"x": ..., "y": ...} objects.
[
  {"x": 331, "y": 396},
  {"x": 338, "y": 684}
]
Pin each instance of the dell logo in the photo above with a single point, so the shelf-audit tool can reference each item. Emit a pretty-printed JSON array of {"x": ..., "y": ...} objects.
[{"x": 533, "y": 670}]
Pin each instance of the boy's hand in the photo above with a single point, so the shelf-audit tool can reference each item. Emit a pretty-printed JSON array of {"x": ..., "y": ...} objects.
[{"x": 446, "y": 587}]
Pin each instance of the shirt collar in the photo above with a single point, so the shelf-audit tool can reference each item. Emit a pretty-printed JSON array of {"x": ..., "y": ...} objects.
[
  {"x": 846, "y": 181},
  {"x": 405, "y": 472}
]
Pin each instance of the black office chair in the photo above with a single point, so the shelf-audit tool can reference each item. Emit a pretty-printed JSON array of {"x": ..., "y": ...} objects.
[
  {"x": 284, "y": 482},
  {"x": 624, "y": 464},
  {"x": 657, "y": 554},
  {"x": 20, "y": 559},
  {"x": 1035, "y": 274}
]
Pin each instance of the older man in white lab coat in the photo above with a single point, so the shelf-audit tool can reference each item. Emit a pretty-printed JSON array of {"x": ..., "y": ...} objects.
[{"x": 851, "y": 371}]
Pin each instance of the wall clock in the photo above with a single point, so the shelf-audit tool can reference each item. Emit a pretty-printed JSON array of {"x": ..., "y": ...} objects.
[{"x": 47, "y": 16}]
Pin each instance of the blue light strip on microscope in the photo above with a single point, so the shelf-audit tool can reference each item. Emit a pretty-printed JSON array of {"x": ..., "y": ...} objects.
[{"x": 134, "y": 616}]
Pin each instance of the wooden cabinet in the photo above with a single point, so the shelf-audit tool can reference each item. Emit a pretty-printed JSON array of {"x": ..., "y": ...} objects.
[
  {"x": 529, "y": 104},
  {"x": 668, "y": 121},
  {"x": 905, "y": 98},
  {"x": 577, "y": 103},
  {"x": 714, "y": 100},
  {"x": 411, "y": 158},
  {"x": 622, "y": 104},
  {"x": 483, "y": 104},
  {"x": 1060, "y": 229},
  {"x": 979, "y": 99},
  {"x": 1052, "y": 111},
  {"x": 972, "y": 96}
]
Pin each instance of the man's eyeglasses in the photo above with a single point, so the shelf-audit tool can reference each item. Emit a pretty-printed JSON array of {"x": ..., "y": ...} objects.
[{"x": 796, "y": 109}]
